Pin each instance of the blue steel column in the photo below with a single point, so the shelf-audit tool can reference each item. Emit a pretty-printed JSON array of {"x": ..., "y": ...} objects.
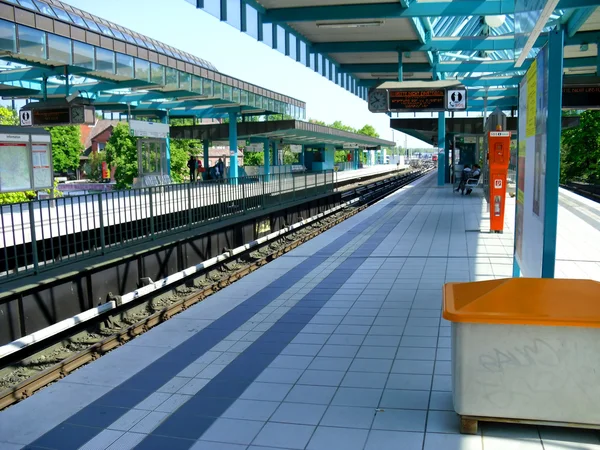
[
  {"x": 165, "y": 119},
  {"x": 556, "y": 43},
  {"x": 267, "y": 157},
  {"x": 233, "y": 148},
  {"x": 205, "y": 154},
  {"x": 441, "y": 176}
]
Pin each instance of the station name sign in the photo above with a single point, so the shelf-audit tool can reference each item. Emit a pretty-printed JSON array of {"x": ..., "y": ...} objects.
[{"x": 418, "y": 100}]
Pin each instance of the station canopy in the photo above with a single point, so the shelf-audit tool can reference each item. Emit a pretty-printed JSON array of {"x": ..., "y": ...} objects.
[
  {"x": 49, "y": 49},
  {"x": 359, "y": 44},
  {"x": 285, "y": 131}
]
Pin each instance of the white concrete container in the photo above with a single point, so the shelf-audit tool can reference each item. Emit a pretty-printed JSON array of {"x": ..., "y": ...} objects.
[{"x": 526, "y": 349}]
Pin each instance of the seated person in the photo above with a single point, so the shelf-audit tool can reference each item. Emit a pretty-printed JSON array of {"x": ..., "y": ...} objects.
[
  {"x": 466, "y": 174},
  {"x": 476, "y": 173}
]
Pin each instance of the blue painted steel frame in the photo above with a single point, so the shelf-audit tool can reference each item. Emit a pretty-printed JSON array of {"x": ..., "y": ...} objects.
[
  {"x": 442, "y": 153},
  {"x": 555, "y": 79}
]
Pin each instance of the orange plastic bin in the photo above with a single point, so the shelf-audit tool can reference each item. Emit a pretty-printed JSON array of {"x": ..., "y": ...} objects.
[{"x": 526, "y": 349}]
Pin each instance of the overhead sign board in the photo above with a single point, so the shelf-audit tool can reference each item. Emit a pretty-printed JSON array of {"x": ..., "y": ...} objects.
[
  {"x": 240, "y": 143},
  {"x": 581, "y": 97},
  {"x": 349, "y": 145},
  {"x": 139, "y": 128},
  {"x": 48, "y": 116},
  {"x": 417, "y": 100},
  {"x": 295, "y": 148},
  {"x": 456, "y": 99},
  {"x": 258, "y": 147}
]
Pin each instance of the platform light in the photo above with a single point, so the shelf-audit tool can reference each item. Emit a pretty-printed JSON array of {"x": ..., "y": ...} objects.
[
  {"x": 495, "y": 21},
  {"x": 375, "y": 23}
]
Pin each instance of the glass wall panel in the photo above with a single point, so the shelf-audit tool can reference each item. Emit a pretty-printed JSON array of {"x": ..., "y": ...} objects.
[
  {"x": 142, "y": 69},
  {"x": 171, "y": 78},
  {"x": 185, "y": 81},
  {"x": 8, "y": 39},
  {"x": 251, "y": 99},
  {"x": 59, "y": 49},
  {"x": 83, "y": 55},
  {"x": 244, "y": 98},
  {"x": 236, "y": 95},
  {"x": 197, "y": 84},
  {"x": 207, "y": 87},
  {"x": 227, "y": 92},
  {"x": 217, "y": 90},
  {"x": 157, "y": 74},
  {"x": 77, "y": 20},
  {"x": 105, "y": 60},
  {"x": 45, "y": 8},
  {"x": 62, "y": 14},
  {"x": 125, "y": 65},
  {"x": 32, "y": 42}
]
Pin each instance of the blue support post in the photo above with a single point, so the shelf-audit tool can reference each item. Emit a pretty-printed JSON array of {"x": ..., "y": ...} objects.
[
  {"x": 274, "y": 35},
  {"x": 243, "y": 17},
  {"x": 223, "y": 11},
  {"x": 165, "y": 119},
  {"x": 400, "y": 75},
  {"x": 267, "y": 156},
  {"x": 259, "y": 28},
  {"x": 205, "y": 155},
  {"x": 441, "y": 176},
  {"x": 556, "y": 41},
  {"x": 301, "y": 156},
  {"x": 275, "y": 154},
  {"x": 233, "y": 148}
]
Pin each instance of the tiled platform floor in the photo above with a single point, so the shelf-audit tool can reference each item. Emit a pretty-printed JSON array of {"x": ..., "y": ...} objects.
[{"x": 337, "y": 345}]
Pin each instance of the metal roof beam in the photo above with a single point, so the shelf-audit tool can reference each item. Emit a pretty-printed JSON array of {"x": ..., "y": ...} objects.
[
  {"x": 577, "y": 19},
  {"x": 441, "y": 44},
  {"x": 461, "y": 67},
  {"x": 395, "y": 10}
]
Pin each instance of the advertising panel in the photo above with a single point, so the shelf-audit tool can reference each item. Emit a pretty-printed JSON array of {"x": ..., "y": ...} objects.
[{"x": 533, "y": 114}]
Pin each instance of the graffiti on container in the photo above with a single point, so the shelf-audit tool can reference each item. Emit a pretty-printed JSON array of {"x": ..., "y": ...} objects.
[{"x": 539, "y": 353}]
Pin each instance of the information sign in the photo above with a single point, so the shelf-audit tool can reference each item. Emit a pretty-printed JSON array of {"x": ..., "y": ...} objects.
[
  {"x": 140, "y": 128},
  {"x": 350, "y": 145},
  {"x": 581, "y": 97},
  {"x": 457, "y": 99},
  {"x": 258, "y": 147},
  {"x": 417, "y": 100},
  {"x": 25, "y": 162},
  {"x": 295, "y": 148}
]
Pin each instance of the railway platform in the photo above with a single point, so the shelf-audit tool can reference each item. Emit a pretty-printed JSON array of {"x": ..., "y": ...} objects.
[{"x": 339, "y": 344}]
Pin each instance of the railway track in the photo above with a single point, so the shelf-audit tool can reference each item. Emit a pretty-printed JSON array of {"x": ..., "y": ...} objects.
[
  {"x": 589, "y": 191},
  {"x": 39, "y": 365}
]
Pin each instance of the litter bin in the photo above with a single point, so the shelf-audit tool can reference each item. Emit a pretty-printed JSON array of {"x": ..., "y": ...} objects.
[{"x": 525, "y": 350}]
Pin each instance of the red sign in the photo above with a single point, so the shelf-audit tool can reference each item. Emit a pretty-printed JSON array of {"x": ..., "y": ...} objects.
[{"x": 105, "y": 173}]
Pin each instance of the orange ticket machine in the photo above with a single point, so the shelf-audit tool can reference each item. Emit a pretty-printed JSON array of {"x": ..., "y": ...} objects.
[{"x": 498, "y": 159}]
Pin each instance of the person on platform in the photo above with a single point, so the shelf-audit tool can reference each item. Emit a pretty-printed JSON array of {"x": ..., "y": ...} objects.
[
  {"x": 221, "y": 168},
  {"x": 192, "y": 165},
  {"x": 200, "y": 169},
  {"x": 466, "y": 174},
  {"x": 475, "y": 174}
]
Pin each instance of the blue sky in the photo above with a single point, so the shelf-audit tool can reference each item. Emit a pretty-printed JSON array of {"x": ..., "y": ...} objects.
[{"x": 177, "y": 23}]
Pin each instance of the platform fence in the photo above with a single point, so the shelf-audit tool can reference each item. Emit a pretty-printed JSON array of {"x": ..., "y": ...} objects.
[{"x": 42, "y": 234}]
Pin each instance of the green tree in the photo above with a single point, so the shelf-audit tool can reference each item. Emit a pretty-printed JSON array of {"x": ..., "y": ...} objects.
[
  {"x": 66, "y": 147},
  {"x": 254, "y": 158},
  {"x": 93, "y": 166},
  {"x": 368, "y": 130},
  {"x": 8, "y": 116},
  {"x": 121, "y": 151},
  {"x": 340, "y": 126},
  {"x": 317, "y": 122},
  {"x": 580, "y": 153}
]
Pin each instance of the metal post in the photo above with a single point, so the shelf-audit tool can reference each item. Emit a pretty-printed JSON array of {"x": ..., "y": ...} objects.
[
  {"x": 555, "y": 80},
  {"x": 205, "y": 155},
  {"x": 101, "y": 212},
  {"x": 267, "y": 158},
  {"x": 151, "y": 212},
  {"x": 400, "y": 75},
  {"x": 219, "y": 199},
  {"x": 165, "y": 120},
  {"x": 189, "y": 192},
  {"x": 233, "y": 148},
  {"x": 34, "y": 247},
  {"x": 441, "y": 172}
]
